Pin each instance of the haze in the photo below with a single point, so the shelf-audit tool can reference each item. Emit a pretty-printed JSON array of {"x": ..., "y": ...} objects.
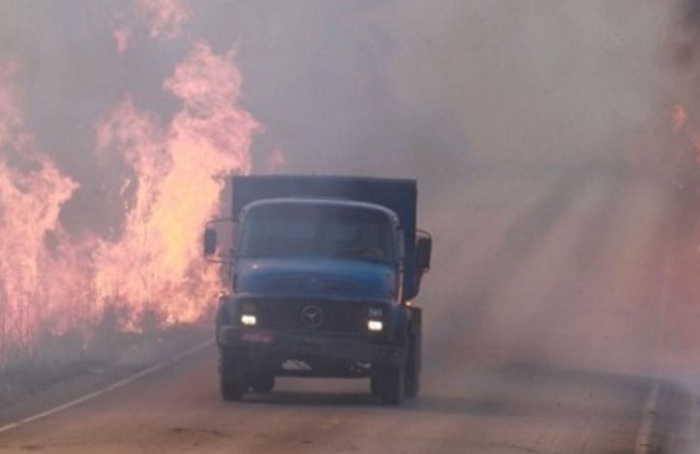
[{"x": 554, "y": 170}]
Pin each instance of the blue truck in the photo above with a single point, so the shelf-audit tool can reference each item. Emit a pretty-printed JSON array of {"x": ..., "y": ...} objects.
[{"x": 322, "y": 274}]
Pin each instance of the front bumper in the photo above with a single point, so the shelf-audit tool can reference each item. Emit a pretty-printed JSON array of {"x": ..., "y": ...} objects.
[{"x": 273, "y": 346}]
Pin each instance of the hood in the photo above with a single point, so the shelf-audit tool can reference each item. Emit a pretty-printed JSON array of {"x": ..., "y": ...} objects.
[{"x": 313, "y": 276}]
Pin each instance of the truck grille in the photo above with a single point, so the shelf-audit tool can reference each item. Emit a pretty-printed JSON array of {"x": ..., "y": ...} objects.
[{"x": 315, "y": 316}]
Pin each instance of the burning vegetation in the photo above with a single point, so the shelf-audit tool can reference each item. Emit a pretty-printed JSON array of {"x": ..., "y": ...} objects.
[
  {"x": 168, "y": 175},
  {"x": 32, "y": 191}
]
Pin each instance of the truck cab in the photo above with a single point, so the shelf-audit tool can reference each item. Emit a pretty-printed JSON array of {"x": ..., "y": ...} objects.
[{"x": 321, "y": 282}]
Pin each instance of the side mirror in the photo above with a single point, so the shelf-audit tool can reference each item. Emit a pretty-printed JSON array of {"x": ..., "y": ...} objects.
[
  {"x": 213, "y": 251},
  {"x": 209, "y": 241},
  {"x": 424, "y": 247}
]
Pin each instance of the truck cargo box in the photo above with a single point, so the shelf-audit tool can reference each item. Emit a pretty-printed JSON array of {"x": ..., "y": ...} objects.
[{"x": 399, "y": 195}]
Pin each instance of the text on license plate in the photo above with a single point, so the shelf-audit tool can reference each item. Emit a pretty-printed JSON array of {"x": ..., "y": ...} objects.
[{"x": 259, "y": 338}]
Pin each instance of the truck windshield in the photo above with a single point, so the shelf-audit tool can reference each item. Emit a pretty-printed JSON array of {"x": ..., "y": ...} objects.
[{"x": 281, "y": 230}]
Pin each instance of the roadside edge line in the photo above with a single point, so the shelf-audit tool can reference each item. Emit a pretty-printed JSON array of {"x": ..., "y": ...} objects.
[
  {"x": 119, "y": 384},
  {"x": 642, "y": 443}
]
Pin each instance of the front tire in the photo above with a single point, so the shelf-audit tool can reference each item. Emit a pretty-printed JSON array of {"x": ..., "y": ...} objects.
[
  {"x": 263, "y": 383},
  {"x": 233, "y": 382},
  {"x": 388, "y": 382}
]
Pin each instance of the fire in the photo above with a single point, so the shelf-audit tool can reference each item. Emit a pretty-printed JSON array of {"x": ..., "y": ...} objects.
[
  {"x": 151, "y": 270},
  {"x": 165, "y": 17},
  {"x": 122, "y": 37},
  {"x": 680, "y": 117},
  {"x": 181, "y": 171},
  {"x": 680, "y": 123},
  {"x": 32, "y": 191}
]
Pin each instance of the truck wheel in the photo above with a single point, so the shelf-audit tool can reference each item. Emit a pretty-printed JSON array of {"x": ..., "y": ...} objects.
[
  {"x": 388, "y": 382},
  {"x": 413, "y": 366},
  {"x": 264, "y": 382},
  {"x": 375, "y": 384},
  {"x": 233, "y": 381}
]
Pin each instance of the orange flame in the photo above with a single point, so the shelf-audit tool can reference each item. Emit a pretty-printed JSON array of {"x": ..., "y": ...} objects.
[
  {"x": 32, "y": 191},
  {"x": 122, "y": 38},
  {"x": 680, "y": 117},
  {"x": 157, "y": 265},
  {"x": 50, "y": 282},
  {"x": 165, "y": 17},
  {"x": 680, "y": 123}
]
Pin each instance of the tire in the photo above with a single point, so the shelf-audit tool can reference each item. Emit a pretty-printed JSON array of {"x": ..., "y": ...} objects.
[
  {"x": 233, "y": 382},
  {"x": 413, "y": 366},
  {"x": 263, "y": 383},
  {"x": 389, "y": 382},
  {"x": 375, "y": 384},
  {"x": 414, "y": 353}
]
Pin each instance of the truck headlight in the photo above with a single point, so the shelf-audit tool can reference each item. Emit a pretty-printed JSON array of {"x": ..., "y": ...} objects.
[
  {"x": 375, "y": 325},
  {"x": 247, "y": 313},
  {"x": 375, "y": 316},
  {"x": 249, "y": 320}
]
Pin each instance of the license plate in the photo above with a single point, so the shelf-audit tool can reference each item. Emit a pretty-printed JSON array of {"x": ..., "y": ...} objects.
[{"x": 258, "y": 338}]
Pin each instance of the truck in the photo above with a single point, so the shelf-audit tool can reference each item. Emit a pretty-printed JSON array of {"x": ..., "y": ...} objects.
[{"x": 323, "y": 273}]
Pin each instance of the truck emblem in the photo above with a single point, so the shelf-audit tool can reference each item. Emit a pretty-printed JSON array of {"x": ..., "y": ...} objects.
[{"x": 312, "y": 316}]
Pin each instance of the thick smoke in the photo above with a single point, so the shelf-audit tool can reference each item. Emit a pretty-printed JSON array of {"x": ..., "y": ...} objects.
[
  {"x": 497, "y": 107},
  {"x": 552, "y": 106},
  {"x": 402, "y": 88}
]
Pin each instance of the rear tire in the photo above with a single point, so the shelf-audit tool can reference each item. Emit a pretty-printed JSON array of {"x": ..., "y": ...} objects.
[
  {"x": 375, "y": 384},
  {"x": 414, "y": 353},
  {"x": 233, "y": 381},
  {"x": 413, "y": 366}
]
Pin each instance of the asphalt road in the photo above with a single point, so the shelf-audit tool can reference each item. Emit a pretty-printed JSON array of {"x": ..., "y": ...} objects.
[
  {"x": 520, "y": 408},
  {"x": 545, "y": 333}
]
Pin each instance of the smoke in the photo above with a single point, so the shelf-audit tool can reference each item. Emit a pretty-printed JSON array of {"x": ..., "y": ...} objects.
[
  {"x": 558, "y": 176},
  {"x": 523, "y": 122},
  {"x": 399, "y": 88}
]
